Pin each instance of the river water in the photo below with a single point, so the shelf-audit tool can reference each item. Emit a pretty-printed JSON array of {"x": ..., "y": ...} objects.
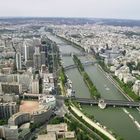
[{"x": 116, "y": 119}]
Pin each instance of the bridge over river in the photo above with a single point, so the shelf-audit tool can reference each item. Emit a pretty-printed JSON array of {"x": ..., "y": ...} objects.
[
  {"x": 72, "y": 53},
  {"x": 103, "y": 103},
  {"x": 87, "y": 63}
]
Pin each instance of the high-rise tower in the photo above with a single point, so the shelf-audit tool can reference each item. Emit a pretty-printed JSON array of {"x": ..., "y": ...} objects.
[
  {"x": 26, "y": 52},
  {"x": 18, "y": 61},
  {"x": 37, "y": 59}
]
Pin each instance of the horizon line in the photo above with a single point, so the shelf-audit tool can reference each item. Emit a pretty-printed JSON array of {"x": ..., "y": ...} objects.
[{"x": 67, "y": 17}]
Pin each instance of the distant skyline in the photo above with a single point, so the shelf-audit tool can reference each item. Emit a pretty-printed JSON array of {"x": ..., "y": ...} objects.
[{"x": 119, "y": 9}]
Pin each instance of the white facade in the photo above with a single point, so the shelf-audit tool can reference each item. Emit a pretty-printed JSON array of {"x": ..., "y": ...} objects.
[
  {"x": 10, "y": 132},
  {"x": 35, "y": 86},
  {"x": 18, "y": 61},
  {"x": 136, "y": 87},
  {"x": 70, "y": 93},
  {"x": 25, "y": 81},
  {"x": 26, "y": 52},
  {"x": 46, "y": 101},
  {"x": 48, "y": 83},
  {"x": 122, "y": 72},
  {"x": 128, "y": 78},
  {"x": 112, "y": 68}
]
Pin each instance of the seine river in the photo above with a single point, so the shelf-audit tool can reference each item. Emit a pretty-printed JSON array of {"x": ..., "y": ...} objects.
[{"x": 116, "y": 119}]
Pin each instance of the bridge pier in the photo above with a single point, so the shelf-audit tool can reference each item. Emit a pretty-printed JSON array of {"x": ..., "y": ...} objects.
[{"x": 102, "y": 104}]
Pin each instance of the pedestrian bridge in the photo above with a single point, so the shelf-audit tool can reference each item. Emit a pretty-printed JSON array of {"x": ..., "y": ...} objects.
[
  {"x": 87, "y": 63},
  {"x": 103, "y": 103}
]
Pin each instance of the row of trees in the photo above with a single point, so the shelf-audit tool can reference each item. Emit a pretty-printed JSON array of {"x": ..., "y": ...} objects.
[
  {"x": 63, "y": 77},
  {"x": 127, "y": 88},
  {"x": 3, "y": 121},
  {"x": 78, "y": 63},
  {"x": 90, "y": 134},
  {"x": 89, "y": 126},
  {"x": 57, "y": 120},
  {"x": 93, "y": 90}
]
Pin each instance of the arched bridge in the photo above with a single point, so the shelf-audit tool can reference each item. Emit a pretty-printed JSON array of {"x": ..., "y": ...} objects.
[
  {"x": 104, "y": 103},
  {"x": 87, "y": 63}
]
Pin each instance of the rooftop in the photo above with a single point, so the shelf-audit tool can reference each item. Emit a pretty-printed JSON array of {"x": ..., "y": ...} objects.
[
  {"x": 49, "y": 136},
  {"x": 57, "y": 127}
]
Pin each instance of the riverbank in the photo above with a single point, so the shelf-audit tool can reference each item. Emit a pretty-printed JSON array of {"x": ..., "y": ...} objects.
[
  {"x": 63, "y": 80},
  {"x": 125, "y": 90},
  {"x": 113, "y": 82},
  {"x": 93, "y": 124}
]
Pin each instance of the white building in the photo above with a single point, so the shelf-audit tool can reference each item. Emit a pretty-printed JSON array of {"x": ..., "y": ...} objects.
[
  {"x": 18, "y": 61},
  {"x": 26, "y": 52},
  {"x": 47, "y": 101},
  {"x": 128, "y": 78},
  {"x": 48, "y": 83},
  {"x": 61, "y": 130},
  {"x": 70, "y": 93},
  {"x": 48, "y": 136},
  {"x": 113, "y": 68},
  {"x": 120, "y": 73},
  {"x": 25, "y": 80},
  {"x": 10, "y": 132},
  {"x": 9, "y": 97},
  {"x": 35, "y": 86},
  {"x": 136, "y": 87}
]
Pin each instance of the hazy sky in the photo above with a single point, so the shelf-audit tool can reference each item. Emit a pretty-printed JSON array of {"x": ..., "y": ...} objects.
[{"x": 128, "y": 9}]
